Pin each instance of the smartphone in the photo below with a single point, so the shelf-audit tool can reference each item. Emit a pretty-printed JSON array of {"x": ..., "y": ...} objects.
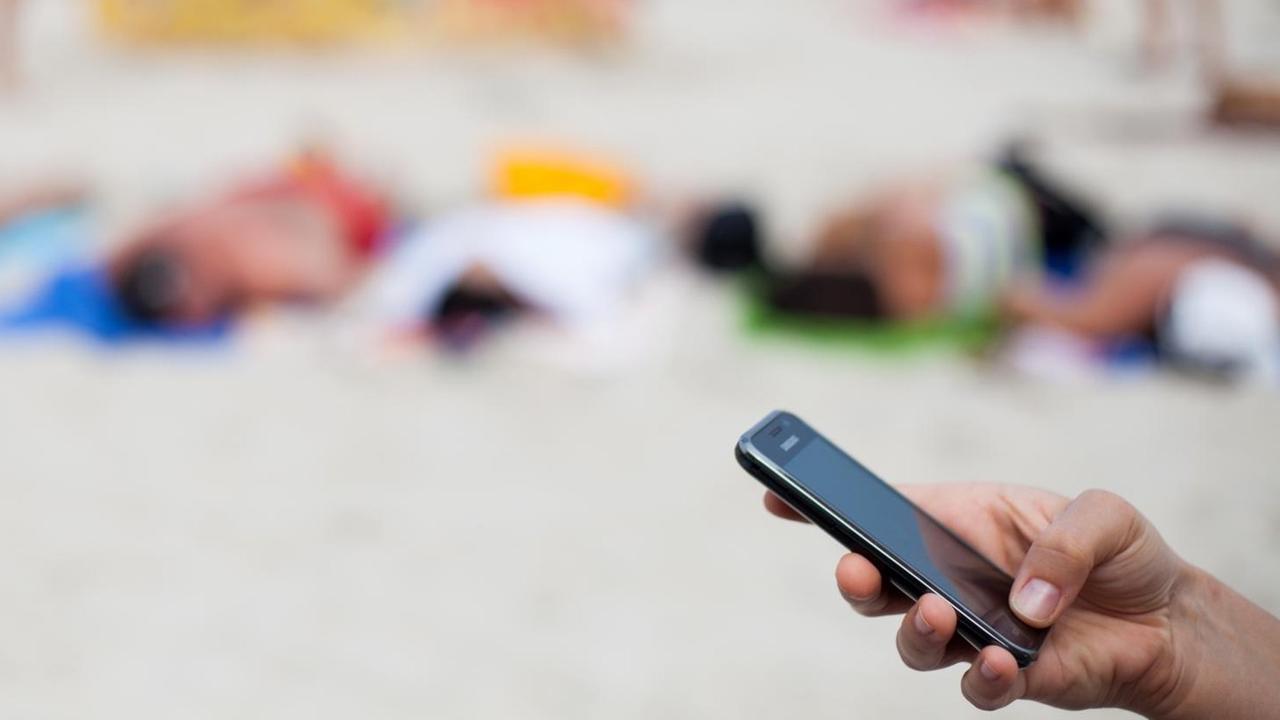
[{"x": 913, "y": 551}]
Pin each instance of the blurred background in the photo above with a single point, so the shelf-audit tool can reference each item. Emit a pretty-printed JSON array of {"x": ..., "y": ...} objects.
[{"x": 385, "y": 358}]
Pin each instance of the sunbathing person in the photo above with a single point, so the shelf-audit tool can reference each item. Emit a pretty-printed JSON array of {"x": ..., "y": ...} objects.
[
  {"x": 567, "y": 259},
  {"x": 1206, "y": 296},
  {"x": 561, "y": 236},
  {"x": 1003, "y": 241},
  {"x": 303, "y": 234},
  {"x": 942, "y": 247}
]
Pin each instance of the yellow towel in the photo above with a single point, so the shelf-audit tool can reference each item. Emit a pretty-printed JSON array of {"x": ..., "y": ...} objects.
[
  {"x": 259, "y": 21},
  {"x": 532, "y": 172},
  {"x": 249, "y": 20}
]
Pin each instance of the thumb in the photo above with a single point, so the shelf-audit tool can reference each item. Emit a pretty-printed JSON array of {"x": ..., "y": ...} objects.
[{"x": 1092, "y": 529}]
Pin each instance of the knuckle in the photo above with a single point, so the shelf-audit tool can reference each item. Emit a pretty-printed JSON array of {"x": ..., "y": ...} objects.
[
  {"x": 1065, "y": 550},
  {"x": 1107, "y": 502}
]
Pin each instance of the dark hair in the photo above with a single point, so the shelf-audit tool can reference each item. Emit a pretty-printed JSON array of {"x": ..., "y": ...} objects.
[
  {"x": 467, "y": 314},
  {"x": 727, "y": 237},
  {"x": 850, "y": 295},
  {"x": 149, "y": 287}
]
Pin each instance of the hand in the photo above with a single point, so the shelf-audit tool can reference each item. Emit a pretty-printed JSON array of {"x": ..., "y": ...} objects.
[{"x": 1093, "y": 568}]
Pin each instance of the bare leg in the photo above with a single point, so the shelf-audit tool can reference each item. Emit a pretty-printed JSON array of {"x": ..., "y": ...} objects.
[{"x": 1122, "y": 298}]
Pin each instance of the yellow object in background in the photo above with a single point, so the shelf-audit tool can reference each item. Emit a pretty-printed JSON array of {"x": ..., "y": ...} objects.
[
  {"x": 267, "y": 21},
  {"x": 253, "y": 20},
  {"x": 571, "y": 22},
  {"x": 533, "y": 173}
]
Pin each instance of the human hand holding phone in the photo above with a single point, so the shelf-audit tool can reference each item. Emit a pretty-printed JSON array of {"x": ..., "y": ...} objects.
[{"x": 1134, "y": 626}]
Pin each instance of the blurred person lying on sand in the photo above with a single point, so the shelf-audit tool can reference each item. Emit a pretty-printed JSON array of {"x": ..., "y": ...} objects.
[
  {"x": 1003, "y": 240},
  {"x": 301, "y": 234},
  {"x": 561, "y": 238}
]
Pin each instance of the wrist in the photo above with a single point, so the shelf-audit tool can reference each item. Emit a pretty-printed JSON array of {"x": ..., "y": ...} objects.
[
  {"x": 1181, "y": 676},
  {"x": 1222, "y": 655}
]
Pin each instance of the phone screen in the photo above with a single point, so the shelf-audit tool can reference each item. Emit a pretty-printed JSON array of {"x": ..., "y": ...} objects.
[{"x": 914, "y": 537}]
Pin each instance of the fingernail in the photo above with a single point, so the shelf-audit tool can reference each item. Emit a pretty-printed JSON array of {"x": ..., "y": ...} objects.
[
  {"x": 922, "y": 626},
  {"x": 988, "y": 672},
  {"x": 1037, "y": 599}
]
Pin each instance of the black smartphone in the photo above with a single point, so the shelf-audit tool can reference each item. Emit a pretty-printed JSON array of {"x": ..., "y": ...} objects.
[{"x": 913, "y": 551}]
